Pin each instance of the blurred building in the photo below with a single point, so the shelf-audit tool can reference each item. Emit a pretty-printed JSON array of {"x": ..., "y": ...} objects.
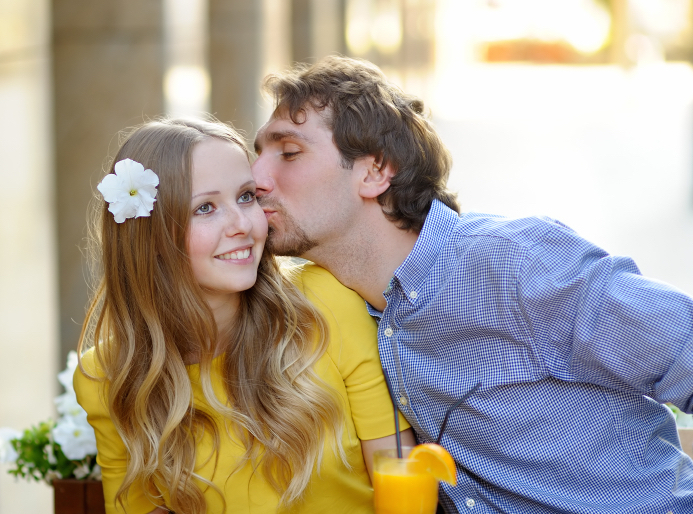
[{"x": 580, "y": 109}]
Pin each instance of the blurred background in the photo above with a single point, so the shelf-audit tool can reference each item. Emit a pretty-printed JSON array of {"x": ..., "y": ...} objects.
[{"x": 577, "y": 109}]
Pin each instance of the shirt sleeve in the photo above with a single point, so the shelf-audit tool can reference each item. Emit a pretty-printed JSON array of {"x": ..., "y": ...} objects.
[
  {"x": 111, "y": 452},
  {"x": 595, "y": 319},
  {"x": 354, "y": 350}
]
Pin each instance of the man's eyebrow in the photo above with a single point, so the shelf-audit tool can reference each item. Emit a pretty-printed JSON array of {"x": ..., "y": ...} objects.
[{"x": 279, "y": 135}]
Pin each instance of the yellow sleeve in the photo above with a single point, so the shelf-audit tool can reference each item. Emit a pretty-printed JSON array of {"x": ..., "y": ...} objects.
[
  {"x": 354, "y": 350},
  {"x": 111, "y": 452}
]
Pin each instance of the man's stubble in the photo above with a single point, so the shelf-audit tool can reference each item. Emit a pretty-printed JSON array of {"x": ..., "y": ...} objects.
[{"x": 293, "y": 241}]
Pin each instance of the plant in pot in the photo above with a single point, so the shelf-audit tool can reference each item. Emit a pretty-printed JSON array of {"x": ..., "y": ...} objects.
[{"x": 59, "y": 452}]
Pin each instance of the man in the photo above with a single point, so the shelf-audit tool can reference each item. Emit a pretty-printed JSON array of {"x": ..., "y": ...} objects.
[{"x": 572, "y": 349}]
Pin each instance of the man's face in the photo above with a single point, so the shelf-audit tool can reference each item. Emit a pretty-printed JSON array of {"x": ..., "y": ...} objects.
[{"x": 306, "y": 194}]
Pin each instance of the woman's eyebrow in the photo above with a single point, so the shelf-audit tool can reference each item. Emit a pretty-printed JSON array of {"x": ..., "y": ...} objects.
[
  {"x": 206, "y": 193},
  {"x": 249, "y": 183}
]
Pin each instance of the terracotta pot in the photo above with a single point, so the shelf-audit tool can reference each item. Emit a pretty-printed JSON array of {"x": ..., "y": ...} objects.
[{"x": 78, "y": 497}]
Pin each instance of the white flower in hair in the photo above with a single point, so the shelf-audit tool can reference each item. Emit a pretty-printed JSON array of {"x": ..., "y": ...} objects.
[{"x": 131, "y": 191}]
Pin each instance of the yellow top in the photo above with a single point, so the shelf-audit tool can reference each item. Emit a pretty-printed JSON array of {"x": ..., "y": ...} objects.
[{"x": 351, "y": 366}]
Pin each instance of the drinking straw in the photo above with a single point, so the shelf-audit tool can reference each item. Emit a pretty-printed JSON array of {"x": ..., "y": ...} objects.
[
  {"x": 394, "y": 405},
  {"x": 453, "y": 407}
]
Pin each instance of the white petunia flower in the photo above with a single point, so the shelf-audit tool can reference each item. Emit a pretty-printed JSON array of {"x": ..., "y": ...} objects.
[
  {"x": 75, "y": 436},
  {"x": 65, "y": 376},
  {"x": 50, "y": 454},
  {"x": 67, "y": 405},
  {"x": 51, "y": 475},
  {"x": 82, "y": 471},
  {"x": 7, "y": 453},
  {"x": 131, "y": 191},
  {"x": 95, "y": 473}
]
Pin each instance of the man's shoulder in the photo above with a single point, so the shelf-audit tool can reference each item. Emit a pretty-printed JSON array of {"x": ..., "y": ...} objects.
[{"x": 524, "y": 231}]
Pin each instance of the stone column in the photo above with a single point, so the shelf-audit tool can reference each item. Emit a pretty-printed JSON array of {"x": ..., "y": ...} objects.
[
  {"x": 28, "y": 296},
  {"x": 107, "y": 75},
  {"x": 317, "y": 29},
  {"x": 235, "y": 62},
  {"x": 250, "y": 38}
]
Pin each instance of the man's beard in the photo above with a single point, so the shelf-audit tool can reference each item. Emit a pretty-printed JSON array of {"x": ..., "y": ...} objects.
[{"x": 293, "y": 242}]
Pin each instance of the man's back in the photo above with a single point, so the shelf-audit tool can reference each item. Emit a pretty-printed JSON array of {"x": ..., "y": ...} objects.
[{"x": 566, "y": 342}]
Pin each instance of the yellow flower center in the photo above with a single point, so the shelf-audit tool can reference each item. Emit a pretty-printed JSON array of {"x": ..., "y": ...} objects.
[{"x": 133, "y": 192}]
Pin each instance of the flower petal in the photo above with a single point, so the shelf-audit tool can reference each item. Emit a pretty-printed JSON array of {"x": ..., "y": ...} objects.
[
  {"x": 127, "y": 168},
  {"x": 75, "y": 437},
  {"x": 123, "y": 210},
  {"x": 65, "y": 376},
  {"x": 112, "y": 187},
  {"x": 7, "y": 452},
  {"x": 145, "y": 179}
]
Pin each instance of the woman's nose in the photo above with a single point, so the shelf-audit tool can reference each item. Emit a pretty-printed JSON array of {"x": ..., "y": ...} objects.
[{"x": 238, "y": 223}]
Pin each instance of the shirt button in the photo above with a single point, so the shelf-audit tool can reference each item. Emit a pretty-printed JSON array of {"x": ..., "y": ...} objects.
[
  {"x": 413, "y": 295},
  {"x": 402, "y": 400},
  {"x": 388, "y": 332},
  {"x": 469, "y": 503}
]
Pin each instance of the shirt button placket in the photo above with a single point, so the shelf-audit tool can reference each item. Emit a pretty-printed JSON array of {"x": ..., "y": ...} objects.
[
  {"x": 402, "y": 399},
  {"x": 470, "y": 503}
]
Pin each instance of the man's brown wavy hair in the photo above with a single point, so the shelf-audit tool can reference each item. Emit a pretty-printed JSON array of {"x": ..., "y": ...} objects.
[{"x": 370, "y": 116}]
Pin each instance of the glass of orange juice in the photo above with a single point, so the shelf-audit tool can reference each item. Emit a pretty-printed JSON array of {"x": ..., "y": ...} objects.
[
  {"x": 409, "y": 485},
  {"x": 403, "y": 486}
]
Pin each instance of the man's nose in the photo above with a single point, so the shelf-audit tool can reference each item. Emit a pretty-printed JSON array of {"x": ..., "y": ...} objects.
[{"x": 263, "y": 179}]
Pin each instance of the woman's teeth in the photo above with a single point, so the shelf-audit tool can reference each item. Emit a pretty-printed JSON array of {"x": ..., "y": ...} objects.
[{"x": 241, "y": 254}]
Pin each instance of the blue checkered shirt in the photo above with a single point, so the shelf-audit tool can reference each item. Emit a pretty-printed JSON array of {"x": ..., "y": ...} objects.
[{"x": 574, "y": 351}]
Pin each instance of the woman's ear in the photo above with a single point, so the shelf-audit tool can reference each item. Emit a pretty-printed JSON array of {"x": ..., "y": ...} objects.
[{"x": 374, "y": 177}]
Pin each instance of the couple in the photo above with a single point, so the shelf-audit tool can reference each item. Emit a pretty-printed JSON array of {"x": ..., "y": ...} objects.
[{"x": 222, "y": 386}]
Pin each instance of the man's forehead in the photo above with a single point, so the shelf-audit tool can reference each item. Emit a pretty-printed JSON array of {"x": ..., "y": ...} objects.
[
  {"x": 281, "y": 124},
  {"x": 306, "y": 114}
]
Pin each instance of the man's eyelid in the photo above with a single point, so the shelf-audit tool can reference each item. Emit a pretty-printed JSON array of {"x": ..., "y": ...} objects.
[{"x": 292, "y": 146}]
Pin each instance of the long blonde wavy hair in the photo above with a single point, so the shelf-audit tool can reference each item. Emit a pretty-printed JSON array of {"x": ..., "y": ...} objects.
[{"x": 148, "y": 318}]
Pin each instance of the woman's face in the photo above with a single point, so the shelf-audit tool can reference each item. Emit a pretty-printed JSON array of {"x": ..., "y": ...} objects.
[{"x": 228, "y": 228}]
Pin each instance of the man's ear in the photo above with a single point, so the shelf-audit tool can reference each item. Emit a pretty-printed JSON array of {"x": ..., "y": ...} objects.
[{"x": 374, "y": 178}]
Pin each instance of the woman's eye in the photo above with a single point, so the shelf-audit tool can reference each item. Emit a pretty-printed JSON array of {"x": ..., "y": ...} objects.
[
  {"x": 289, "y": 156},
  {"x": 205, "y": 208},
  {"x": 246, "y": 197}
]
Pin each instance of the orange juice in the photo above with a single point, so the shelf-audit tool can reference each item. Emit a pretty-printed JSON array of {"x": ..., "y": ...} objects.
[{"x": 402, "y": 487}]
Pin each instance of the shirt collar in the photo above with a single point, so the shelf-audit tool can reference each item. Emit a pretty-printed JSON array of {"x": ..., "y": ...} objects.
[{"x": 440, "y": 222}]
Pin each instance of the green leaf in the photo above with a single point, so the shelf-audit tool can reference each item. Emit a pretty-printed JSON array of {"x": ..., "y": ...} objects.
[{"x": 33, "y": 461}]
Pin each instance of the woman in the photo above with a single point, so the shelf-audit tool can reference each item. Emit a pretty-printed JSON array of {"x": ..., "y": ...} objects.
[{"x": 213, "y": 385}]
